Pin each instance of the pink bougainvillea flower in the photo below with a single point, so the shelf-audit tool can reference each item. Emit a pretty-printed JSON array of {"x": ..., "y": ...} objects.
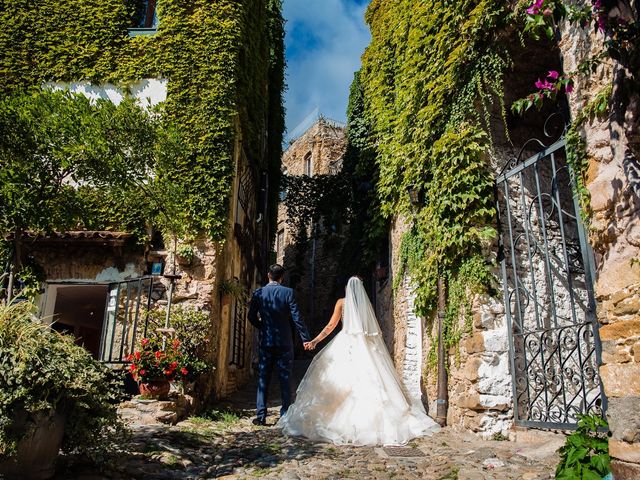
[
  {"x": 546, "y": 85},
  {"x": 547, "y": 12},
  {"x": 569, "y": 88},
  {"x": 553, "y": 74}
]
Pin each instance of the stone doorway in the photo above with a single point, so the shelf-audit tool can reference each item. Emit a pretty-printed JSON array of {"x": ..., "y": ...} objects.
[{"x": 78, "y": 309}]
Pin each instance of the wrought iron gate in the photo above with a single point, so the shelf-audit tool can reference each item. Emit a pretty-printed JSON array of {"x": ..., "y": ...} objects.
[
  {"x": 128, "y": 304},
  {"x": 548, "y": 274}
]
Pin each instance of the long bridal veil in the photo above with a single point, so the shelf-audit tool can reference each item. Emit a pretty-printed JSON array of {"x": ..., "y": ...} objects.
[
  {"x": 351, "y": 393},
  {"x": 358, "y": 316}
]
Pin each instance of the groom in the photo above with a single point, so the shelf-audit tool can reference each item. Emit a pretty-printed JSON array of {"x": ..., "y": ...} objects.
[{"x": 270, "y": 309}]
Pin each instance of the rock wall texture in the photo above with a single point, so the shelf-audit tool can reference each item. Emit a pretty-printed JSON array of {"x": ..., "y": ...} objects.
[{"x": 614, "y": 183}]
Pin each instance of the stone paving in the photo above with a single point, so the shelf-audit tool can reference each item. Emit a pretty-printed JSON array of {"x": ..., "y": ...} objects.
[{"x": 224, "y": 444}]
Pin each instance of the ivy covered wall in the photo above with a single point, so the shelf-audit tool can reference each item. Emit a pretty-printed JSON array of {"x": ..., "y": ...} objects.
[
  {"x": 225, "y": 64},
  {"x": 430, "y": 78}
]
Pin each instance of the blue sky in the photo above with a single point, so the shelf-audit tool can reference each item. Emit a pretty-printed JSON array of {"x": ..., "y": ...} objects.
[{"x": 324, "y": 41}]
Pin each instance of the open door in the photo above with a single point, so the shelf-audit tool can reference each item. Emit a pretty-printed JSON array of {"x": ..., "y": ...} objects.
[{"x": 125, "y": 318}]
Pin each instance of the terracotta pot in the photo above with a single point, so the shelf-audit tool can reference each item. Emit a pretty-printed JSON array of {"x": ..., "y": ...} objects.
[
  {"x": 155, "y": 389},
  {"x": 37, "y": 451}
]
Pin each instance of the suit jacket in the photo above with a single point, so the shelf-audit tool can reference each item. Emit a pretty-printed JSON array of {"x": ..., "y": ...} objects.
[{"x": 276, "y": 305}]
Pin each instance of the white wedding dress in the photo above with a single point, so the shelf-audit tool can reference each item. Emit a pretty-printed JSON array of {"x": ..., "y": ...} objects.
[{"x": 351, "y": 393}]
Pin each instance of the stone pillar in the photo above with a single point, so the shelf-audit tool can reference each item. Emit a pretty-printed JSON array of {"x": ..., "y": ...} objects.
[
  {"x": 412, "y": 363},
  {"x": 612, "y": 180}
]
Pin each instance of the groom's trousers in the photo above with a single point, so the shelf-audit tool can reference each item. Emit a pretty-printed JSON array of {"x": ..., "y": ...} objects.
[{"x": 282, "y": 359}]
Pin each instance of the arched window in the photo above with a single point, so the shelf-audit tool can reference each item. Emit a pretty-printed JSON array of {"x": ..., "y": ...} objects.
[{"x": 308, "y": 164}]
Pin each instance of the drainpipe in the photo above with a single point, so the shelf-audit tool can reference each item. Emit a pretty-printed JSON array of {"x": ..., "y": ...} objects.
[
  {"x": 313, "y": 273},
  {"x": 443, "y": 395}
]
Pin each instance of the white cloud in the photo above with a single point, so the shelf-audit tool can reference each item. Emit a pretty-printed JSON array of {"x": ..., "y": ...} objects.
[{"x": 325, "y": 39}]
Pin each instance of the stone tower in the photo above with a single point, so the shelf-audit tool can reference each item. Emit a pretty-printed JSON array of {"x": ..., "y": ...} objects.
[{"x": 312, "y": 265}]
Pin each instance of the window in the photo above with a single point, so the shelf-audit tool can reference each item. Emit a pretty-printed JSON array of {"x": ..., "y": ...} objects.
[
  {"x": 145, "y": 21},
  {"x": 308, "y": 164},
  {"x": 280, "y": 245}
]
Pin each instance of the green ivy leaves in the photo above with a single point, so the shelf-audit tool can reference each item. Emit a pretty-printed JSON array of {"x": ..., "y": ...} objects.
[{"x": 221, "y": 57}]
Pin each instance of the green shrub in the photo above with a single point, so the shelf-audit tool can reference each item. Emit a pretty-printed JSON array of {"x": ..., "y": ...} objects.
[
  {"x": 40, "y": 371},
  {"x": 585, "y": 455},
  {"x": 193, "y": 330}
]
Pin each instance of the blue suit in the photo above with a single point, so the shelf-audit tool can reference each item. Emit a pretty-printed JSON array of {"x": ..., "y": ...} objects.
[{"x": 276, "y": 307}]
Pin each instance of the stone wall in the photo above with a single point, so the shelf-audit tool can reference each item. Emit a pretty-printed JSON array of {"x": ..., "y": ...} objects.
[{"x": 613, "y": 181}]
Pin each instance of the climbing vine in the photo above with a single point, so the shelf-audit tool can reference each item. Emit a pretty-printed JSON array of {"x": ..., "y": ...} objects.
[
  {"x": 220, "y": 57},
  {"x": 430, "y": 77},
  {"x": 313, "y": 200}
]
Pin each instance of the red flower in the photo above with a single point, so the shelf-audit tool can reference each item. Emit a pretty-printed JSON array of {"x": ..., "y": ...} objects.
[
  {"x": 132, "y": 368},
  {"x": 174, "y": 365},
  {"x": 137, "y": 355},
  {"x": 144, "y": 341},
  {"x": 142, "y": 372},
  {"x": 158, "y": 354},
  {"x": 130, "y": 358},
  {"x": 184, "y": 371}
]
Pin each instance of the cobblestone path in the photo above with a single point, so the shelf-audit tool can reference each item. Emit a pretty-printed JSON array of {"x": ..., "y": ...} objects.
[{"x": 225, "y": 444}]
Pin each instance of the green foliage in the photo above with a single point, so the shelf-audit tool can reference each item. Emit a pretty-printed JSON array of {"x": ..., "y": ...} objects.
[
  {"x": 429, "y": 79},
  {"x": 585, "y": 455},
  {"x": 232, "y": 288},
  {"x": 220, "y": 58},
  {"x": 41, "y": 371},
  {"x": 50, "y": 141},
  {"x": 186, "y": 251},
  {"x": 361, "y": 173},
  {"x": 472, "y": 278},
  {"x": 456, "y": 221},
  {"x": 313, "y": 199},
  {"x": 193, "y": 332}
]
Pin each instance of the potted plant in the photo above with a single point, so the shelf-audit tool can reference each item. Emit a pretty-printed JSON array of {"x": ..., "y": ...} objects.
[
  {"x": 154, "y": 367},
  {"x": 53, "y": 396},
  {"x": 185, "y": 254},
  {"x": 193, "y": 331}
]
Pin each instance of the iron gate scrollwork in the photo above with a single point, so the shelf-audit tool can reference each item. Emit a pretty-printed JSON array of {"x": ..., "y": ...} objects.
[{"x": 548, "y": 274}]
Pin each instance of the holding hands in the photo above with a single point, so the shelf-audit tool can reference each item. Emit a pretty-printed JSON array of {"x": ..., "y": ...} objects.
[{"x": 310, "y": 345}]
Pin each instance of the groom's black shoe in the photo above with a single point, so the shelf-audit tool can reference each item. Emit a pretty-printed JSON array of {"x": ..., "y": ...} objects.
[{"x": 259, "y": 421}]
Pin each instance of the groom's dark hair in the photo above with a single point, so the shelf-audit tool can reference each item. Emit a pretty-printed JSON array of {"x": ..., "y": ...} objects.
[{"x": 276, "y": 272}]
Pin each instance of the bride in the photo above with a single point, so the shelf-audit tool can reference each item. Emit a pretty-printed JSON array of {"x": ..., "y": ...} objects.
[{"x": 351, "y": 393}]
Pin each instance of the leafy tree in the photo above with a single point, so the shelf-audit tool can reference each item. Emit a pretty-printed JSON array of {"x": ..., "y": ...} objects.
[{"x": 54, "y": 144}]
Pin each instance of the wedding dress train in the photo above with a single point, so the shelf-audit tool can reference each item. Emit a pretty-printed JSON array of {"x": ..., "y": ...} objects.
[{"x": 351, "y": 393}]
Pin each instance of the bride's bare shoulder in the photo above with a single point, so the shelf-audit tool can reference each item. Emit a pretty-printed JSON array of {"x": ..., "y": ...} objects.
[{"x": 340, "y": 302}]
